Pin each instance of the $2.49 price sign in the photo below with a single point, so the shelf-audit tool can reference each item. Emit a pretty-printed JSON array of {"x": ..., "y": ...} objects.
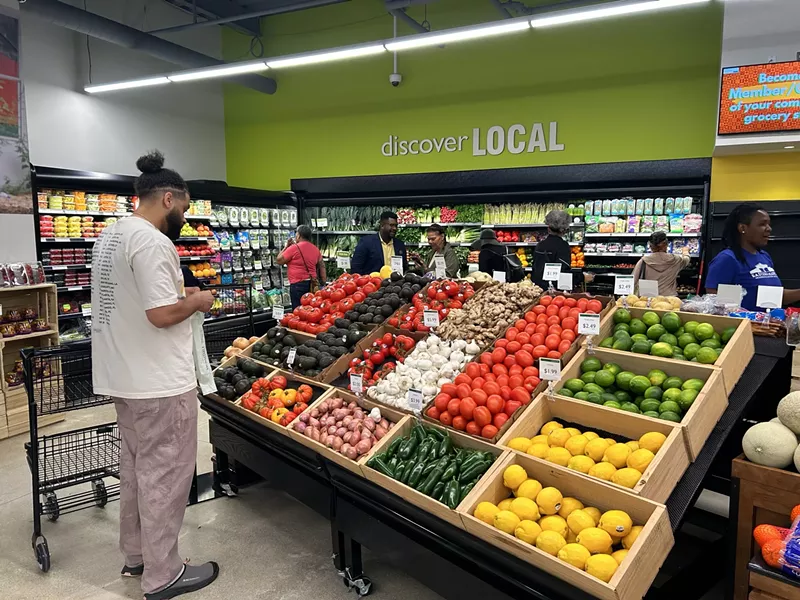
[{"x": 588, "y": 324}]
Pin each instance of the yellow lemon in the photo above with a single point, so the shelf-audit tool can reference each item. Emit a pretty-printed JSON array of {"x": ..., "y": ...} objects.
[
  {"x": 520, "y": 443},
  {"x": 590, "y": 435},
  {"x": 525, "y": 508},
  {"x": 628, "y": 540},
  {"x": 539, "y": 439},
  {"x": 616, "y": 523},
  {"x": 595, "y": 540},
  {"x": 652, "y": 441},
  {"x": 594, "y": 513},
  {"x": 574, "y": 554},
  {"x": 596, "y": 448},
  {"x": 611, "y": 441},
  {"x": 640, "y": 459},
  {"x": 527, "y": 531},
  {"x": 505, "y": 504},
  {"x": 554, "y": 523},
  {"x": 548, "y": 427},
  {"x": 550, "y": 542},
  {"x": 603, "y": 470},
  {"x": 619, "y": 556},
  {"x": 569, "y": 505},
  {"x": 578, "y": 520},
  {"x": 572, "y": 537},
  {"x": 528, "y": 489},
  {"x": 580, "y": 463},
  {"x": 513, "y": 476},
  {"x": 485, "y": 511},
  {"x": 573, "y": 432},
  {"x": 601, "y": 566},
  {"x": 576, "y": 444},
  {"x": 558, "y": 455},
  {"x": 549, "y": 501},
  {"x": 626, "y": 477},
  {"x": 538, "y": 450},
  {"x": 617, "y": 455},
  {"x": 558, "y": 437},
  {"x": 507, "y": 521},
  {"x": 633, "y": 445}
]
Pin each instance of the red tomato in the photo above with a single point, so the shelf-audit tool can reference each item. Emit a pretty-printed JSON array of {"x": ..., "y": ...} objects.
[
  {"x": 499, "y": 420},
  {"x": 537, "y": 339},
  {"x": 552, "y": 341},
  {"x": 524, "y": 359},
  {"x": 499, "y": 354},
  {"x": 530, "y": 372},
  {"x": 446, "y": 418},
  {"x": 570, "y": 302},
  {"x": 454, "y": 407},
  {"x": 473, "y": 429},
  {"x": 440, "y": 402},
  {"x": 511, "y": 333},
  {"x": 554, "y": 354},
  {"x": 511, "y": 407},
  {"x": 472, "y": 370},
  {"x": 515, "y": 381},
  {"x": 523, "y": 338},
  {"x": 485, "y": 369},
  {"x": 490, "y": 377},
  {"x": 459, "y": 423},
  {"x": 505, "y": 392},
  {"x": 489, "y": 431},
  {"x": 569, "y": 323},
  {"x": 545, "y": 300},
  {"x": 542, "y": 329},
  {"x": 468, "y": 405},
  {"x": 486, "y": 358},
  {"x": 541, "y": 319},
  {"x": 501, "y": 343},
  {"x": 463, "y": 390},
  {"x": 501, "y": 381},
  {"x": 477, "y": 383},
  {"x": 574, "y": 313},
  {"x": 530, "y": 328},
  {"x": 554, "y": 330},
  {"x": 449, "y": 389},
  {"x": 554, "y": 320},
  {"x": 462, "y": 378},
  {"x": 552, "y": 311},
  {"x": 569, "y": 335},
  {"x": 514, "y": 370},
  {"x": 520, "y": 324},
  {"x": 513, "y": 347},
  {"x": 527, "y": 348},
  {"x": 564, "y": 346},
  {"x": 499, "y": 370},
  {"x": 491, "y": 387},
  {"x": 482, "y": 416},
  {"x": 509, "y": 362},
  {"x": 530, "y": 317},
  {"x": 558, "y": 300},
  {"x": 563, "y": 312},
  {"x": 539, "y": 309},
  {"x": 521, "y": 395},
  {"x": 595, "y": 305},
  {"x": 434, "y": 413},
  {"x": 479, "y": 397},
  {"x": 582, "y": 304},
  {"x": 495, "y": 404}
]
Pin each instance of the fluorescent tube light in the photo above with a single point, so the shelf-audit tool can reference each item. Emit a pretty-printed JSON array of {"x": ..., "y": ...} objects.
[
  {"x": 221, "y": 71},
  {"x": 468, "y": 33},
  {"x": 323, "y": 57},
  {"x": 125, "y": 85},
  {"x": 576, "y": 16},
  {"x": 788, "y": 147}
]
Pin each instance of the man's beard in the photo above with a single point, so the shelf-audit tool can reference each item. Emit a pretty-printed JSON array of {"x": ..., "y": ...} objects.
[{"x": 174, "y": 225}]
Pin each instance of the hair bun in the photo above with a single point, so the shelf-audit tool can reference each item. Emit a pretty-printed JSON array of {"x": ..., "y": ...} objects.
[{"x": 152, "y": 162}]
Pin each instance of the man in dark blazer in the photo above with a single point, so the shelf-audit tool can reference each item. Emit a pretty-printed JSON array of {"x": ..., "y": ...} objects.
[{"x": 376, "y": 251}]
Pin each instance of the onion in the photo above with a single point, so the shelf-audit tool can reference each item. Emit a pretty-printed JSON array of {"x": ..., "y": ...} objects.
[
  {"x": 358, "y": 414},
  {"x": 313, "y": 421},
  {"x": 352, "y": 425},
  {"x": 379, "y": 432},
  {"x": 323, "y": 437},
  {"x": 340, "y": 431},
  {"x": 337, "y": 403},
  {"x": 346, "y": 420},
  {"x": 384, "y": 423},
  {"x": 337, "y": 443},
  {"x": 369, "y": 424},
  {"x": 314, "y": 435},
  {"x": 363, "y": 447},
  {"x": 352, "y": 453},
  {"x": 331, "y": 430},
  {"x": 300, "y": 427},
  {"x": 353, "y": 405},
  {"x": 345, "y": 447},
  {"x": 347, "y": 436},
  {"x": 303, "y": 418},
  {"x": 315, "y": 413},
  {"x": 366, "y": 434},
  {"x": 339, "y": 414},
  {"x": 324, "y": 406}
]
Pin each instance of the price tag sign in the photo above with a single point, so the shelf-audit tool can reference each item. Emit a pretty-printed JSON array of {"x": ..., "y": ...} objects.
[
  {"x": 623, "y": 285},
  {"x": 588, "y": 324},
  {"x": 769, "y": 296},
  {"x": 430, "y": 318},
  {"x": 472, "y": 267},
  {"x": 322, "y": 222},
  {"x": 86, "y": 310},
  {"x": 648, "y": 288},
  {"x": 257, "y": 265},
  {"x": 551, "y": 271},
  {"x": 356, "y": 383},
  {"x": 414, "y": 400},
  {"x": 254, "y": 244},
  {"x": 259, "y": 285},
  {"x": 396, "y": 263},
  {"x": 550, "y": 369},
  {"x": 565, "y": 281},
  {"x": 441, "y": 267},
  {"x": 290, "y": 357},
  {"x": 729, "y": 294},
  {"x": 278, "y": 312},
  {"x": 343, "y": 262},
  {"x": 499, "y": 276}
]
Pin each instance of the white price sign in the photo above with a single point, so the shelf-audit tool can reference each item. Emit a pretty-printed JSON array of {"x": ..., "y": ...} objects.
[
  {"x": 623, "y": 285},
  {"x": 588, "y": 324},
  {"x": 550, "y": 369},
  {"x": 648, "y": 288},
  {"x": 254, "y": 244},
  {"x": 86, "y": 310},
  {"x": 259, "y": 285},
  {"x": 499, "y": 276},
  {"x": 257, "y": 265},
  {"x": 278, "y": 312},
  {"x": 565, "y": 282},
  {"x": 396, "y": 264},
  {"x": 769, "y": 296},
  {"x": 551, "y": 271},
  {"x": 472, "y": 267},
  {"x": 729, "y": 294},
  {"x": 414, "y": 400},
  {"x": 290, "y": 357},
  {"x": 356, "y": 383},
  {"x": 343, "y": 262},
  {"x": 430, "y": 318},
  {"x": 441, "y": 267}
]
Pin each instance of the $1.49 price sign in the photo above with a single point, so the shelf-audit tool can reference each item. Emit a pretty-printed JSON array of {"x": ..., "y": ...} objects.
[{"x": 550, "y": 369}]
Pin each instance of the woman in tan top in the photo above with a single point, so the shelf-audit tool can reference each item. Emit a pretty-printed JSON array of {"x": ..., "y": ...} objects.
[{"x": 661, "y": 265}]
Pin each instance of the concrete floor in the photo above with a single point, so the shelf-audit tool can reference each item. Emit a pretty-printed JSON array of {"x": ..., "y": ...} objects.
[{"x": 267, "y": 544}]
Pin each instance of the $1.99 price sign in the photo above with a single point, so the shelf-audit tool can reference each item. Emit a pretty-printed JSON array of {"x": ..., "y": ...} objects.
[
  {"x": 414, "y": 400},
  {"x": 356, "y": 383},
  {"x": 550, "y": 369},
  {"x": 277, "y": 312},
  {"x": 430, "y": 318}
]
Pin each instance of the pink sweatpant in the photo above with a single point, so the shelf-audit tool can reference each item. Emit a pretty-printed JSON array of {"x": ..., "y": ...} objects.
[{"x": 157, "y": 462}]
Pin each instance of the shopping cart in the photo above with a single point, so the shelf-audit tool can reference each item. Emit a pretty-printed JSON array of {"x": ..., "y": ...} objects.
[
  {"x": 59, "y": 379},
  {"x": 229, "y": 318}
]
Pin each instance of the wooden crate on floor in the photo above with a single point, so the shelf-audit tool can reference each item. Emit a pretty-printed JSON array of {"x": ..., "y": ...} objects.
[{"x": 18, "y": 421}]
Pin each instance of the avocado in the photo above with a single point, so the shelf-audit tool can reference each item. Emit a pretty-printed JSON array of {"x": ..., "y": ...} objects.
[
  {"x": 280, "y": 334},
  {"x": 241, "y": 386},
  {"x": 352, "y": 315},
  {"x": 283, "y": 354},
  {"x": 361, "y": 308},
  {"x": 367, "y": 318},
  {"x": 387, "y": 310},
  {"x": 342, "y": 323},
  {"x": 337, "y": 351},
  {"x": 228, "y": 392},
  {"x": 271, "y": 333},
  {"x": 312, "y": 372},
  {"x": 378, "y": 319},
  {"x": 415, "y": 288},
  {"x": 396, "y": 276},
  {"x": 250, "y": 368},
  {"x": 276, "y": 350},
  {"x": 384, "y": 283},
  {"x": 219, "y": 382},
  {"x": 353, "y": 337},
  {"x": 257, "y": 347},
  {"x": 325, "y": 361},
  {"x": 288, "y": 340}
]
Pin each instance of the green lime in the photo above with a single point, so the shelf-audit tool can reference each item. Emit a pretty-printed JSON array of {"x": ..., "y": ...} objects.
[
  {"x": 671, "y": 322},
  {"x": 704, "y": 331},
  {"x": 639, "y": 384},
  {"x": 621, "y": 334},
  {"x": 662, "y": 350},
  {"x": 670, "y": 416},
  {"x": 588, "y": 377},
  {"x": 625, "y": 343},
  {"x": 638, "y": 400},
  {"x": 650, "y": 318},
  {"x": 669, "y": 406},
  {"x": 680, "y": 332},
  {"x": 656, "y": 377},
  {"x": 593, "y": 388},
  {"x": 607, "y": 342},
  {"x": 604, "y": 378},
  {"x": 595, "y": 398},
  {"x": 690, "y": 326},
  {"x": 639, "y": 337},
  {"x": 611, "y": 389},
  {"x": 649, "y": 404},
  {"x": 672, "y": 395},
  {"x": 693, "y": 384},
  {"x": 707, "y": 356},
  {"x": 582, "y": 396},
  {"x": 591, "y": 364},
  {"x": 637, "y": 326},
  {"x": 653, "y": 393},
  {"x": 612, "y": 404},
  {"x": 613, "y": 368},
  {"x": 650, "y": 413},
  {"x": 727, "y": 334},
  {"x": 686, "y": 399},
  {"x": 566, "y": 392},
  {"x": 655, "y": 331},
  {"x": 717, "y": 337},
  {"x": 622, "y": 315},
  {"x": 668, "y": 338},
  {"x": 574, "y": 385},
  {"x": 690, "y": 351},
  {"x": 711, "y": 343},
  {"x": 686, "y": 339},
  {"x": 622, "y": 327},
  {"x": 672, "y": 382},
  {"x": 606, "y": 396},
  {"x": 641, "y": 348},
  {"x": 624, "y": 379},
  {"x": 678, "y": 356},
  {"x": 630, "y": 407},
  {"x": 622, "y": 396}
]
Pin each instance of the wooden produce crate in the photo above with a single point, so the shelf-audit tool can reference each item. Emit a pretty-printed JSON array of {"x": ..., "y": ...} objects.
[
  {"x": 391, "y": 415},
  {"x": 735, "y": 356},
  {"x": 637, "y": 572},
  {"x": 704, "y": 413},
  {"x": 411, "y": 495},
  {"x": 660, "y": 477}
]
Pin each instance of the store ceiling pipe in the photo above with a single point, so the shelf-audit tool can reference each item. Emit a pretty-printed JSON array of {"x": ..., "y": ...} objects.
[
  {"x": 76, "y": 19},
  {"x": 498, "y": 4},
  {"x": 399, "y": 4},
  {"x": 401, "y": 14}
]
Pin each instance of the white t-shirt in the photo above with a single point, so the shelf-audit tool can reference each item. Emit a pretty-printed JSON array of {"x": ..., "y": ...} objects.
[{"x": 135, "y": 268}]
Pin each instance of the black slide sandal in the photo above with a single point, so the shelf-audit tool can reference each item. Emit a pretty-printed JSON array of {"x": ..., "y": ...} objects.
[{"x": 192, "y": 579}]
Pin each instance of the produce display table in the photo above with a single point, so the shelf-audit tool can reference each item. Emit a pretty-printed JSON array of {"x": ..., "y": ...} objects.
[{"x": 450, "y": 561}]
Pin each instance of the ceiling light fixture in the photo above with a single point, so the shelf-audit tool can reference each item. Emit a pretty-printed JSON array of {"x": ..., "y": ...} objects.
[
  {"x": 222, "y": 71},
  {"x": 311, "y": 58},
  {"x": 627, "y": 8},
  {"x": 456, "y": 35},
  {"x": 126, "y": 85},
  {"x": 788, "y": 147}
]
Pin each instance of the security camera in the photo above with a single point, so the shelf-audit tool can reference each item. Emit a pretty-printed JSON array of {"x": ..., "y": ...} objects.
[{"x": 395, "y": 79}]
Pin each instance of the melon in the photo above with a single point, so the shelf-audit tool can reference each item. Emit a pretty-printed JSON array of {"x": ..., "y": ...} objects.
[
  {"x": 770, "y": 444},
  {"x": 797, "y": 458},
  {"x": 789, "y": 411}
]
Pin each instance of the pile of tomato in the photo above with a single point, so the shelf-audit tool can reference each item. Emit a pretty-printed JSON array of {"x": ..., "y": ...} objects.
[
  {"x": 441, "y": 296},
  {"x": 274, "y": 400},
  {"x": 318, "y": 311},
  {"x": 381, "y": 358}
]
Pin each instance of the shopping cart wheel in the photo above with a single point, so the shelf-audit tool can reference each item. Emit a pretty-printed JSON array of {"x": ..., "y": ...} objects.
[
  {"x": 42, "y": 553},
  {"x": 100, "y": 494},
  {"x": 51, "y": 506}
]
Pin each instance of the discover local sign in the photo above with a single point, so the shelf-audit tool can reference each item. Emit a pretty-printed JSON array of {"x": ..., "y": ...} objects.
[{"x": 496, "y": 140}]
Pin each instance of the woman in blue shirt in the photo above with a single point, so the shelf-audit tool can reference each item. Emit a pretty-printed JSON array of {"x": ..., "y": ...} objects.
[{"x": 744, "y": 262}]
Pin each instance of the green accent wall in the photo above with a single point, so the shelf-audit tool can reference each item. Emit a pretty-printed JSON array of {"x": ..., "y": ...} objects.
[{"x": 633, "y": 88}]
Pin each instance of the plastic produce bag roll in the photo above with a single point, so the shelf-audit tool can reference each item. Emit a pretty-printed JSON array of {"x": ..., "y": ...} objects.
[{"x": 202, "y": 366}]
